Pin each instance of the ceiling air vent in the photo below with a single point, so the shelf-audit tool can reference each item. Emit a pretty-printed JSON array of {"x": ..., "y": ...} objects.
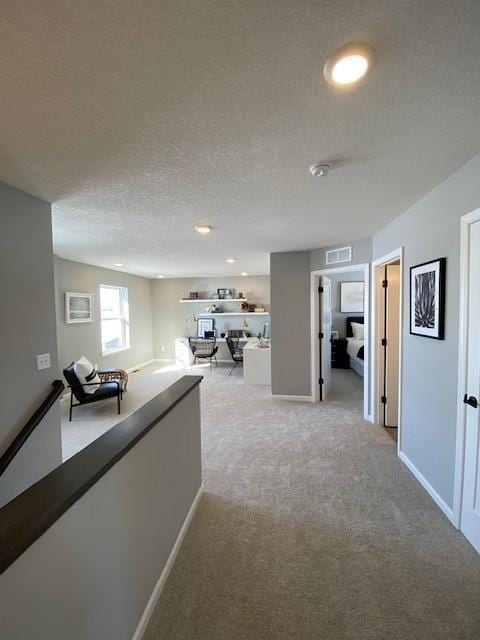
[{"x": 334, "y": 256}]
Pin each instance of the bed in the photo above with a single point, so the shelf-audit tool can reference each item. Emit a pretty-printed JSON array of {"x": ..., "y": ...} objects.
[{"x": 355, "y": 347}]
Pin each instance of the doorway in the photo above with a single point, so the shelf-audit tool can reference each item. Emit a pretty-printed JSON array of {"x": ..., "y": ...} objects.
[
  {"x": 467, "y": 477},
  {"x": 386, "y": 341},
  {"x": 340, "y": 359}
]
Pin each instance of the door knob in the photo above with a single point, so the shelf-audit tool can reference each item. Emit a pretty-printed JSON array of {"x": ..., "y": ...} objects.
[{"x": 470, "y": 400}]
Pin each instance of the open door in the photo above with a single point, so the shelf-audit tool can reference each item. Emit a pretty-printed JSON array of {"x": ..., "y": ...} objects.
[
  {"x": 392, "y": 337},
  {"x": 388, "y": 300},
  {"x": 325, "y": 324},
  {"x": 470, "y": 521}
]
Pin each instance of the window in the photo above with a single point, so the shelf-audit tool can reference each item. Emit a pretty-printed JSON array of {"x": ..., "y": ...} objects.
[{"x": 114, "y": 318}]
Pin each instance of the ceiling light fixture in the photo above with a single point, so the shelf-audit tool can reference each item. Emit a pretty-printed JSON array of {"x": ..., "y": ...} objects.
[
  {"x": 160, "y": 275},
  {"x": 348, "y": 64},
  {"x": 203, "y": 228},
  {"x": 231, "y": 260},
  {"x": 244, "y": 273},
  {"x": 320, "y": 170},
  {"x": 118, "y": 264}
]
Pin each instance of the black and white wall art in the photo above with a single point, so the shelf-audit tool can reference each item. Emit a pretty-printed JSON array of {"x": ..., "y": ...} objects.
[{"x": 427, "y": 299}]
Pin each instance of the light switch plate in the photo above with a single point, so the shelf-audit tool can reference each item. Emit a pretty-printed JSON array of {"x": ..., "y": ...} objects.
[{"x": 43, "y": 361}]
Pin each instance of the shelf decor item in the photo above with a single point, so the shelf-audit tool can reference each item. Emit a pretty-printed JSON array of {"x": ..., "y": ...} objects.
[
  {"x": 226, "y": 294},
  {"x": 78, "y": 307},
  {"x": 427, "y": 299},
  {"x": 203, "y": 325}
]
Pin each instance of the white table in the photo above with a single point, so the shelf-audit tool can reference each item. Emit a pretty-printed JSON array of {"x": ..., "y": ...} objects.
[{"x": 257, "y": 367}]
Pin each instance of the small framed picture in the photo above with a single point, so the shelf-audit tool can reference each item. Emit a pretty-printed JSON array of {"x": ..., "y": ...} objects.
[
  {"x": 204, "y": 325},
  {"x": 78, "y": 307},
  {"x": 226, "y": 294},
  {"x": 334, "y": 335},
  {"x": 427, "y": 299}
]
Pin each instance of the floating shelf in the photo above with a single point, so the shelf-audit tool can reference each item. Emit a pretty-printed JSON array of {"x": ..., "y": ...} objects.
[
  {"x": 217, "y": 300},
  {"x": 236, "y": 313}
]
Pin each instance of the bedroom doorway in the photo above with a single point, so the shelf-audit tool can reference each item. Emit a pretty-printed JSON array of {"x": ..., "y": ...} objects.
[
  {"x": 339, "y": 336},
  {"x": 387, "y": 332}
]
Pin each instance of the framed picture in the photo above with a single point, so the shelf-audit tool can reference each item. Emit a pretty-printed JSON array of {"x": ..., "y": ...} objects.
[
  {"x": 427, "y": 299},
  {"x": 78, "y": 307},
  {"x": 351, "y": 297},
  {"x": 203, "y": 325},
  {"x": 226, "y": 294}
]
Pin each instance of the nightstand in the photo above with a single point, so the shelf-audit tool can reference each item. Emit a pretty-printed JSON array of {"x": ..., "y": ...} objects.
[{"x": 340, "y": 359}]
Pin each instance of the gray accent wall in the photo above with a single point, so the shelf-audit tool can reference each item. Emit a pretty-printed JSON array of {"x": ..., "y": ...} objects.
[
  {"x": 290, "y": 274},
  {"x": 361, "y": 254},
  {"x": 27, "y": 329},
  {"x": 171, "y": 318},
  {"x": 75, "y": 340},
  {"x": 339, "y": 319},
  {"x": 428, "y": 230},
  {"x": 290, "y": 295}
]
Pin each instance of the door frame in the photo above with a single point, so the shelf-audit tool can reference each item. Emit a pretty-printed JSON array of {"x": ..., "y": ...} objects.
[
  {"x": 393, "y": 256},
  {"x": 315, "y": 323},
  {"x": 465, "y": 222}
]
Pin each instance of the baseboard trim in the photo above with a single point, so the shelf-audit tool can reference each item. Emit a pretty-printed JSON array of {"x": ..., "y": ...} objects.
[
  {"x": 293, "y": 398},
  {"x": 138, "y": 366},
  {"x": 428, "y": 487},
  {"x": 152, "y": 601}
]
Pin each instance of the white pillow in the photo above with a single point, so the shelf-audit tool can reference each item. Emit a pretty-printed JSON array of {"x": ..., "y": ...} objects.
[
  {"x": 358, "y": 331},
  {"x": 86, "y": 372}
]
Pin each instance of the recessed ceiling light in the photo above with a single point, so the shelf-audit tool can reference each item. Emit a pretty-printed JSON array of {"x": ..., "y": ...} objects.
[
  {"x": 203, "y": 228},
  {"x": 160, "y": 275},
  {"x": 348, "y": 64},
  {"x": 118, "y": 264},
  {"x": 231, "y": 260},
  {"x": 244, "y": 273},
  {"x": 320, "y": 170}
]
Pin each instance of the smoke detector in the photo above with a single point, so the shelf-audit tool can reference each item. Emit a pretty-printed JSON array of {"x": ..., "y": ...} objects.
[{"x": 320, "y": 170}]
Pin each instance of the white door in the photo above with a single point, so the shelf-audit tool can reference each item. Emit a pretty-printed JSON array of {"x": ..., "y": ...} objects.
[
  {"x": 392, "y": 326},
  {"x": 325, "y": 336},
  {"x": 470, "y": 524}
]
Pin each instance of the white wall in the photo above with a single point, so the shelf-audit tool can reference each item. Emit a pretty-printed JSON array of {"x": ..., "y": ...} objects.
[
  {"x": 90, "y": 575},
  {"x": 169, "y": 315},
  {"x": 75, "y": 340},
  {"x": 428, "y": 230},
  {"x": 27, "y": 328}
]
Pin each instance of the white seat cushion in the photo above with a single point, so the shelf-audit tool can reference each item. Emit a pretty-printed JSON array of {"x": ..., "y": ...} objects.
[{"x": 86, "y": 372}]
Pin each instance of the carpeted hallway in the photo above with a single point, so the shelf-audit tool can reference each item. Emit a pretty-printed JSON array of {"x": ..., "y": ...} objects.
[{"x": 311, "y": 528}]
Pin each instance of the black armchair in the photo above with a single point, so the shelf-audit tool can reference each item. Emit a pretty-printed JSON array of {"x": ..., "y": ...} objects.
[
  {"x": 204, "y": 349},
  {"x": 235, "y": 351},
  {"x": 113, "y": 389}
]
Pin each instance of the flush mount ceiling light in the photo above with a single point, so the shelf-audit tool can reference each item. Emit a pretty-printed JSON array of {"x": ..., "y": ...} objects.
[
  {"x": 160, "y": 275},
  {"x": 320, "y": 170},
  {"x": 203, "y": 228},
  {"x": 348, "y": 64},
  {"x": 244, "y": 273},
  {"x": 231, "y": 260},
  {"x": 118, "y": 264}
]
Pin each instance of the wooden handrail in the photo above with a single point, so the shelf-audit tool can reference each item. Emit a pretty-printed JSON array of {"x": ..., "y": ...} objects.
[
  {"x": 30, "y": 514},
  {"x": 20, "y": 439}
]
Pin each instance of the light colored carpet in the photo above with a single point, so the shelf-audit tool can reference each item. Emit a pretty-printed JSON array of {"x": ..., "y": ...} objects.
[
  {"x": 312, "y": 529},
  {"x": 92, "y": 420}
]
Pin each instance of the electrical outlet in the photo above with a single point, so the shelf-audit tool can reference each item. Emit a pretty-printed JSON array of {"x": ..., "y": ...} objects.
[
  {"x": 163, "y": 348},
  {"x": 43, "y": 361}
]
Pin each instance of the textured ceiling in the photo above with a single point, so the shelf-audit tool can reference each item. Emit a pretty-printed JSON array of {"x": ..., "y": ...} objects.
[{"x": 139, "y": 119}]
